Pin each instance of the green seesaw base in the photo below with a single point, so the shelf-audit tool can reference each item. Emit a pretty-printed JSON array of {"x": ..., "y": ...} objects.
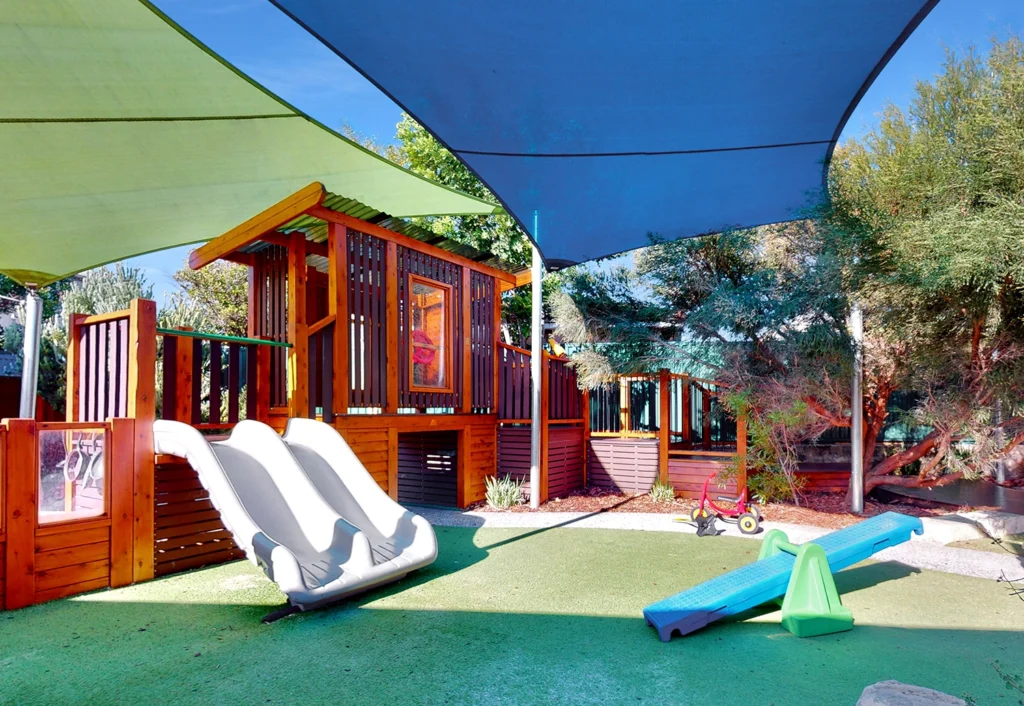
[{"x": 811, "y": 606}]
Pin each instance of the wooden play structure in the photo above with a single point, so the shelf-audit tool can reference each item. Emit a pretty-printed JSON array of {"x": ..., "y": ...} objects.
[{"x": 385, "y": 331}]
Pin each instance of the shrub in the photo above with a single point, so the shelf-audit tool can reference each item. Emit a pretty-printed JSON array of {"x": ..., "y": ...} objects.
[
  {"x": 503, "y": 493},
  {"x": 770, "y": 485},
  {"x": 662, "y": 492}
]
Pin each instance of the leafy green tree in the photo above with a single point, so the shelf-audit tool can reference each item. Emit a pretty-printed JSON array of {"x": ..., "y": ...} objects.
[
  {"x": 418, "y": 151},
  {"x": 214, "y": 299},
  {"x": 98, "y": 291},
  {"x": 923, "y": 228},
  {"x": 11, "y": 293},
  {"x": 930, "y": 208}
]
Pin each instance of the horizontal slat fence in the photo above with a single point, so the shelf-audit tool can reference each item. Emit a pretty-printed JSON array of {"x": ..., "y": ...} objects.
[{"x": 189, "y": 532}]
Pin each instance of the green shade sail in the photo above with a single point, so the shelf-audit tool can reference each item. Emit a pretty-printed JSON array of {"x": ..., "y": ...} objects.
[{"x": 120, "y": 134}]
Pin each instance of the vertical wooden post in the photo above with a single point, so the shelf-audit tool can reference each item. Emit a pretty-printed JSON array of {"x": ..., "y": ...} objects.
[
  {"x": 74, "y": 365},
  {"x": 687, "y": 419},
  {"x": 624, "y": 406},
  {"x": 391, "y": 321},
  {"x": 142, "y": 408},
  {"x": 664, "y": 422},
  {"x": 463, "y": 465},
  {"x": 545, "y": 414},
  {"x": 496, "y": 333},
  {"x": 183, "y": 385},
  {"x": 705, "y": 417},
  {"x": 253, "y": 318},
  {"x": 585, "y": 411},
  {"x": 337, "y": 305},
  {"x": 393, "y": 463},
  {"x": 741, "y": 453},
  {"x": 298, "y": 354},
  {"x": 21, "y": 512},
  {"x": 466, "y": 292},
  {"x": 263, "y": 384},
  {"x": 120, "y": 460}
]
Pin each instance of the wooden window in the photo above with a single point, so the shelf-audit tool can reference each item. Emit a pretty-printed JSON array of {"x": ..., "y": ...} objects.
[
  {"x": 72, "y": 474},
  {"x": 430, "y": 342}
]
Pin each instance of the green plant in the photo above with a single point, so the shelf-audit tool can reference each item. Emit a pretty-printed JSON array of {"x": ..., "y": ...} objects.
[
  {"x": 771, "y": 484},
  {"x": 503, "y": 493},
  {"x": 662, "y": 492}
]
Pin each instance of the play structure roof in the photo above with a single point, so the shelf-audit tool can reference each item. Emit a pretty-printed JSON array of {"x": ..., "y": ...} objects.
[
  {"x": 604, "y": 122},
  {"x": 121, "y": 134}
]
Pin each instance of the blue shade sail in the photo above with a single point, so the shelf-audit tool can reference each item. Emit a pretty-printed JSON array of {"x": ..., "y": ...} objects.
[{"x": 613, "y": 121}]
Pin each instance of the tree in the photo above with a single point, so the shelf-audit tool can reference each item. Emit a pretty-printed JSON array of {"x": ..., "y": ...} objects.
[
  {"x": 923, "y": 227},
  {"x": 930, "y": 206},
  {"x": 213, "y": 299},
  {"x": 98, "y": 291},
  {"x": 418, "y": 151},
  {"x": 11, "y": 293}
]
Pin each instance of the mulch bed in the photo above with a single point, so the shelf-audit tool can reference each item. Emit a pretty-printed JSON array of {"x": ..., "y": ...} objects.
[{"x": 829, "y": 510}]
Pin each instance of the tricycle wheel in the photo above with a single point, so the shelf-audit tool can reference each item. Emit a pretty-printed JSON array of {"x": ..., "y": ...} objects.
[
  {"x": 752, "y": 509},
  {"x": 698, "y": 513},
  {"x": 748, "y": 523}
]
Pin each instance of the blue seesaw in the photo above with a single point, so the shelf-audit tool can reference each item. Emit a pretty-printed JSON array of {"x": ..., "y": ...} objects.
[{"x": 803, "y": 574}]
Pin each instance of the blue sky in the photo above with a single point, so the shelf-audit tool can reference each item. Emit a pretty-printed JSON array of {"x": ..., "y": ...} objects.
[{"x": 262, "y": 42}]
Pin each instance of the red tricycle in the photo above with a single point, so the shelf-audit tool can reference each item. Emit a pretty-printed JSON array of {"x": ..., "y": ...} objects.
[{"x": 747, "y": 517}]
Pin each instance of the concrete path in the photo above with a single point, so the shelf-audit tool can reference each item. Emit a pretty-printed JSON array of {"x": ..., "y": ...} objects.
[{"x": 919, "y": 553}]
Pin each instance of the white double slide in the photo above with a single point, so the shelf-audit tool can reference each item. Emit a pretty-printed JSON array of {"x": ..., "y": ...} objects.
[{"x": 303, "y": 508}]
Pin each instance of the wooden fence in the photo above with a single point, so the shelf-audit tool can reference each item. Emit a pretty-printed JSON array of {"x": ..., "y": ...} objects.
[{"x": 667, "y": 422}]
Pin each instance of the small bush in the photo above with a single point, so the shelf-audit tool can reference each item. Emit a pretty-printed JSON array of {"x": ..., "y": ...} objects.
[
  {"x": 503, "y": 493},
  {"x": 662, "y": 492},
  {"x": 770, "y": 485}
]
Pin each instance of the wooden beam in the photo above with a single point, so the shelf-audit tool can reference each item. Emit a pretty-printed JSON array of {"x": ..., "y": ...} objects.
[
  {"x": 183, "y": 385},
  {"x": 267, "y": 220},
  {"x": 391, "y": 322},
  {"x": 741, "y": 452},
  {"x": 284, "y": 240},
  {"x": 326, "y": 214},
  {"x": 263, "y": 383},
  {"x": 496, "y": 338},
  {"x": 142, "y": 408},
  {"x": 120, "y": 459},
  {"x": 466, "y": 292},
  {"x": 298, "y": 354},
  {"x": 337, "y": 304},
  {"x": 463, "y": 465},
  {"x": 393, "y": 463},
  {"x": 72, "y": 398},
  {"x": 585, "y": 412},
  {"x": 253, "y": 310},
  {"x": 20, "y": 465},
  {"x": 664, "y": 423}
]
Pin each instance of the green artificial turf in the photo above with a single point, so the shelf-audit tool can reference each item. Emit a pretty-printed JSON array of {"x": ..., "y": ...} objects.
[
  {"x": 1013, "y": 543},
  {"x": 508, "y": 617}
]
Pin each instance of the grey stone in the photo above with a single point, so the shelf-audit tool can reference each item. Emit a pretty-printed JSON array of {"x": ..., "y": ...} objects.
[{"x": 894, "y": 693}]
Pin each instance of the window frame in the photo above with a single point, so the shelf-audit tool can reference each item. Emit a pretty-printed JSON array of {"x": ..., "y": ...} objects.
[{"x": 449, "y": 330}]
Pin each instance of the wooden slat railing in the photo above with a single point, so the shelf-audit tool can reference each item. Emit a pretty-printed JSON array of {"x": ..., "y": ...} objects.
[
  {"x": 321, "y": 369},
  {"x": 207, "y": 377}
]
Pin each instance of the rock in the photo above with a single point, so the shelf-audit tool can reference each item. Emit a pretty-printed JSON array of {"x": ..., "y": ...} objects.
[{"x": 894, "y": 693}]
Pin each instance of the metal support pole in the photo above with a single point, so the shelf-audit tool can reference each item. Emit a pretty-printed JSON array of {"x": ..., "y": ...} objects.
[
  {"x": 857, "y": 413},
  {"x": 536, "y": 360},
  {"x": 30, "y": 363}
]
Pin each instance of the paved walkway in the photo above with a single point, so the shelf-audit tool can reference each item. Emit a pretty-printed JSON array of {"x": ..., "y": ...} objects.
[{"x": 919, "y": 553}]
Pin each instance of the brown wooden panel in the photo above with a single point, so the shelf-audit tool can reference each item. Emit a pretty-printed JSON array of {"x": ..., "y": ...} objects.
[
  {"x": 217, "y": 555},
  {"x": 687, "y": 475},
  {"x": 71, "y": 556},
  {"x": 20, "y": 510},
  {"x": 167, "y": 522},
  {"x": 73, "y": 589},
  {"x": 75, "y": 573},
  {"x": 74, "y": 538},
  {"x": 625, "y": 465},
  {"x": 427, "y": 468}
]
